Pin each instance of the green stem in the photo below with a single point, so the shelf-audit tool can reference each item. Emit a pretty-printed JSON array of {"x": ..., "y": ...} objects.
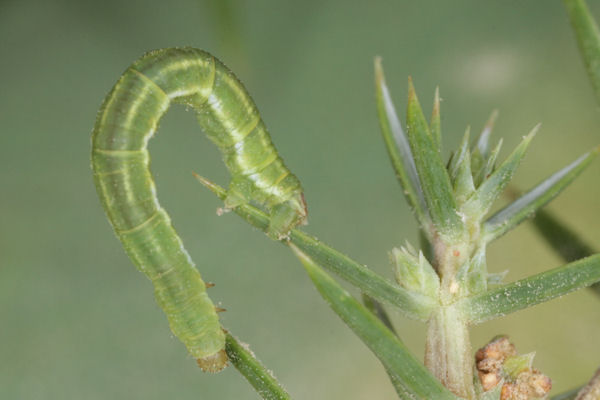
[
  {"x": 257, "y": 375},
  {"x": 448, "y": 348},
  {"x": 448, "y": 351}
]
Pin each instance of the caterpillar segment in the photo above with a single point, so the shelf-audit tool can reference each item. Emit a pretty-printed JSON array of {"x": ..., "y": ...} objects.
[{"x": 127, "y": 119}]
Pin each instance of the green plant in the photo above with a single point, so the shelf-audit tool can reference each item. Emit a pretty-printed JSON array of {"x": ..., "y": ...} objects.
[{"x": 446, "y": 284}]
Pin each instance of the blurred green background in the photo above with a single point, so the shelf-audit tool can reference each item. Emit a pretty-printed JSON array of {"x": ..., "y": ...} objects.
[{"x": 78, "y": 321}]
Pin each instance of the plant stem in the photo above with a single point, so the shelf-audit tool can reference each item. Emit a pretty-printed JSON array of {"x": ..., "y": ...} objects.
[
  {"x": 448, "y": 351},
  {"x": 448, "y": 348}
]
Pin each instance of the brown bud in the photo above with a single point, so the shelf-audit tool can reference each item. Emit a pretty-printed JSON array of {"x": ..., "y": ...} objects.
[
  {"x": 539, "y": 383},
  {"x": 489, "y": 380}
]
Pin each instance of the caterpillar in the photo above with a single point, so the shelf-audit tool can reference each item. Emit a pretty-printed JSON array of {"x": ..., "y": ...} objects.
[{"x": 127, "y": 119}]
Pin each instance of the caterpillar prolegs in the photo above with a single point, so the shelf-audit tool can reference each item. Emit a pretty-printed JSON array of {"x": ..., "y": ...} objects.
[{"x": 126, "y": 121}]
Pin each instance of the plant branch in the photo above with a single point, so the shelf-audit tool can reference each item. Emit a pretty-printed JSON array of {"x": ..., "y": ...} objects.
[
  {"x": 413, "y": 305},
  {"x": 251, "y": 368},
  {"x": 402, "y": 366}
]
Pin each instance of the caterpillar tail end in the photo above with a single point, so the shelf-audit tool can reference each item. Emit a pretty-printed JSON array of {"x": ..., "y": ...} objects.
[{"x": 213, "y": 363}]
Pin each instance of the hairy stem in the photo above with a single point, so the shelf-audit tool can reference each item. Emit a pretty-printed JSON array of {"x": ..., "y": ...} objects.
[{"x": 448, "y": 351}]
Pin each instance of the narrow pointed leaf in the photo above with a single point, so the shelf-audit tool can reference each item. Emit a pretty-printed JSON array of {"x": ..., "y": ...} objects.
[
  {"x": 490, "y": 189},
  {"x": 402, "y": 393},
  {"x": 483, "y": 142},
  {"x": 463, "y": 178},
  {"x": 533, "y": 290},
  {"x": 481, "y": 150},
  {"x": 496, "y": 278},
  {"x": 414, "y": 273},
  {"x": 517, "y": 211},
  {"x": 379, "y": 311},
  {"x": 563, "y": 240},
  {"x": 435, "y": 124},
  {"x": 413, "y": 305},
  {"x": 588, "y": 39},
  {"x": 433, "y": 176},
  {"x": 409, "y": 372},
  {"x": 490, "y": 165},
  {"x": 398, "y": 147},
  {"x": 472, "y": 275},
  {"x": 251, "y": 368},
  {"x": 426, "y": 246},
  {"x": 458, "y": 157}
]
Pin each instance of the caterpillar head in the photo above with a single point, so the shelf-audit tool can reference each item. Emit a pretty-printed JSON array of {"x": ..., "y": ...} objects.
[{"x": 213, "y": 363}]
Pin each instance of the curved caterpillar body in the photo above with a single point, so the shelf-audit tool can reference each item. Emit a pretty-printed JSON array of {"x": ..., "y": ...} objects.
[{"x": 126, "y": 121}]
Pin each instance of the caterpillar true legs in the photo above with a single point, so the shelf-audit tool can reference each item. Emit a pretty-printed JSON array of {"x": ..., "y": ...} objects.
[{"x": 126, "y": 121}]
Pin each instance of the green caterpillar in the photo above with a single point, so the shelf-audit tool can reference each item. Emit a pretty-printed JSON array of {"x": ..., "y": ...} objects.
[{"x": 126, "y": 121}]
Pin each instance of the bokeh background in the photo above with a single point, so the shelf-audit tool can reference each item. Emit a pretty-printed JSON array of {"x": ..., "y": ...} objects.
[{"x": 78, "y": 321}]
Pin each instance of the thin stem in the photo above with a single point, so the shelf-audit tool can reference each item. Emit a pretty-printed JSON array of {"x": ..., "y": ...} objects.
[
  {"x": 251, "y": 368},
  {"x": 448, "y": 351}
]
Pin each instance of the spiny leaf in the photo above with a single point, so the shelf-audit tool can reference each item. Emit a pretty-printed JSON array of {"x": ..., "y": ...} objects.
[
  {"x": 481, "y": 150},
  {"x": 463, "y": 178},
  {"x": 490, "y": 165},
  {"x": 479, "y": 204},
  {"x": 413, "y": 305},
  {"x": 402, "y": 393},
  {"x": 425, "y": 245},
  {"x": 517, "y": 211},
  {"x": 409, "y": 372},
  {"x": 588, "y": 39},
  {"x": 533, "y": 290},
  {"x": 251, "y": 368},
  {"x": 379, "y": 311},
  {"x": 483, "y": 142},
  {"x": 434, "y": 178},
  {"x": 414, "y": 273},
  {"x": 472, "y": 275},
  {"x": 435, "y": 124},
  {"x": 398, "y": 147},
  {"x": 457, "y": 157},
  {"x": 496, "y": 278}
]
